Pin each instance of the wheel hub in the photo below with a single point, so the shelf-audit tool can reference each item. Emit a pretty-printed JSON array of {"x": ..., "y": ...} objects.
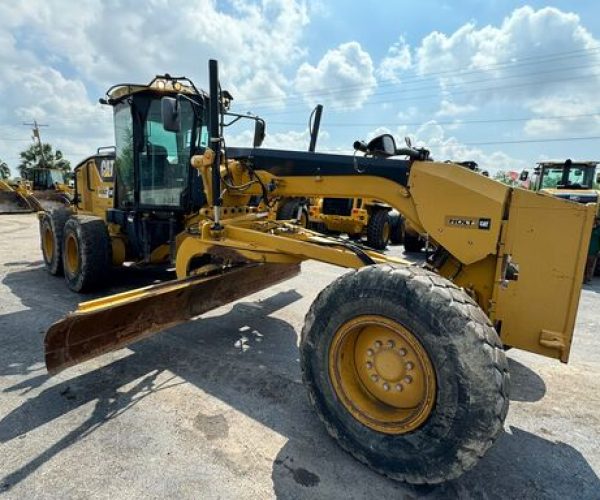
[
  {"x": 48, "y": 241},
  {"x": 382, "y": 374},
  {"x": 71, "y": 254}
]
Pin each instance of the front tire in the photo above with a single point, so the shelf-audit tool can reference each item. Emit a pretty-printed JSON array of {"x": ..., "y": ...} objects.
[
  {"x": 86, "y": 253},
  {"x": 420, "y": 391}
]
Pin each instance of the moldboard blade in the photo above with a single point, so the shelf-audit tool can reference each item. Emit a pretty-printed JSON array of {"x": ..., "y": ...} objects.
[{"x": 110, "y": 323}]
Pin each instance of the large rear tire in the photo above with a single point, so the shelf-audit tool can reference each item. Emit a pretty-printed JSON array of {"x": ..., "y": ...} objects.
[
  {"x": 51, "y": 237},
  {"x": 86, "y": 253},
  {"x": 378, "y": 229},
  {"x": 406, "y": 372}
]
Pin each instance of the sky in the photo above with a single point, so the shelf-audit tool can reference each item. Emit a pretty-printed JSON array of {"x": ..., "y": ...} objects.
[{"x": 502, "y": 83}]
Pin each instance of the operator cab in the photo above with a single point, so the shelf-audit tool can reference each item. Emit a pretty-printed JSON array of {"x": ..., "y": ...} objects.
[
  {"x": 155, "y": 186},
  {"x": 568, "y": 175},
  {"x": 573, "y": 180},
  {"x": 152, "y": 162}
]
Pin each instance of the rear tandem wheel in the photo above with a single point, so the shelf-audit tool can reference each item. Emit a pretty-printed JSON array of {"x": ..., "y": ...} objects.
[
  {"x": 406, "y": 372},
  {"x": 51, "y": 236},
  {"x": 86, "y": 253}
]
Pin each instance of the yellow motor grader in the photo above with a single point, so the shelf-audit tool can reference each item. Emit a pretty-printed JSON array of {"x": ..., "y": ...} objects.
[{"x": 404, "y": 364}]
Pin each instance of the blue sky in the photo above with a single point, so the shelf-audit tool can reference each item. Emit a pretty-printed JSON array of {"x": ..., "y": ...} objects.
[{"x": 454, "y": 76}]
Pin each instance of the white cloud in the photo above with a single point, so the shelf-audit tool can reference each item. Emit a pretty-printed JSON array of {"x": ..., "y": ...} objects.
[
  {"x": 449, "y": 108},
  {"x": 442, "y": 147},
  {"x": 398, "y": 59},
  {"x": 577, "y": 115},
  {"x": 344, "y": 75},
  {"x": 66, "y": 48},
  {"x": 434, "y": 137},
  {"x": 531, "y": 57},
  {"x": 291, "y": 139}
]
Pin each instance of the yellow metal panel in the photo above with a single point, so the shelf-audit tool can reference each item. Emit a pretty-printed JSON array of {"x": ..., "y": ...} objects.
[
  {"x": 547, "y": 239},
  {"x": 454, "y": 204},
  {"x": 95, "y": 195}
]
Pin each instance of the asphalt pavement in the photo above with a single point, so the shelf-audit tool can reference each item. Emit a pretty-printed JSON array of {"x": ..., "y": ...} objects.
[{"x": 215, "y": 408}]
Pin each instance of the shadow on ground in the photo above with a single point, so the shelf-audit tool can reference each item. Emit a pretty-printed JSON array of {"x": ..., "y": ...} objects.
[{"x": 248, "y": 359}]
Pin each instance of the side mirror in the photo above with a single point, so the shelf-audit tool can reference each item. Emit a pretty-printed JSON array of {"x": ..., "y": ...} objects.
[
  {"x": 524, "y": 175},
  {"x": 382, "y": 145},
  {"x": 169, "y": 110},
  {"x": 259, "y": 133}
]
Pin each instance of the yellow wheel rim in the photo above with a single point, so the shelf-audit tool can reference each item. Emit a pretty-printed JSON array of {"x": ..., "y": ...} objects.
[
  {"x": 382, "y": 374},
  {"x": 386, "y": 231},
  {"x": 71, "y": 254},
  {"x": 48, "y": 244}
]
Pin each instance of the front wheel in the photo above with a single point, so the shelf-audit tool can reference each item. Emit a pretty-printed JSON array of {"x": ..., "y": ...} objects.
[{"x": 406, "y": 372}]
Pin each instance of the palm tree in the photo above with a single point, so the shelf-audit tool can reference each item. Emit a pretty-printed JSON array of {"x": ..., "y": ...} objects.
[
  {"x": 42, "y": 156},
  {"x": 4, "y": 170}
]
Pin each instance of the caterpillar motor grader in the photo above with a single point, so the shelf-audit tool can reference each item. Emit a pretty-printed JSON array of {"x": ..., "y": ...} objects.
[{"x": 404, "y": 364}]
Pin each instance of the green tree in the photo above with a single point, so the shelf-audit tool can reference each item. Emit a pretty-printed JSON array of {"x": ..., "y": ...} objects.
[
  {"x": 502, "y": 176},
  {"x": 42, "y": 156},
  {"x": 4, "y": 170}
]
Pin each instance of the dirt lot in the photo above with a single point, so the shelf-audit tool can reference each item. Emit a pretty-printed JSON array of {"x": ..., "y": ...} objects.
[{"x": 215, "y": 408}]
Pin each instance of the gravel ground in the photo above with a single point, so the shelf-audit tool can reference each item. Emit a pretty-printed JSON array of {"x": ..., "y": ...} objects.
[{"x": 215, "y": 408}]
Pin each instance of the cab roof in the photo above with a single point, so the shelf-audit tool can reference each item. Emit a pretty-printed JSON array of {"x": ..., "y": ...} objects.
[
  {"x": 552, "y": 163},
  {"x": 166, "y": 84}
]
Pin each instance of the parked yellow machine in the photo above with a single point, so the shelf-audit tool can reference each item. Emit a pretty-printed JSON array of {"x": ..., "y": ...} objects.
[
  {"x": 357, "y": 217},
  {"x": 577, "y": 181},
  {"x": 405, "y": 365},
  {"x": 17, "y": 196}
]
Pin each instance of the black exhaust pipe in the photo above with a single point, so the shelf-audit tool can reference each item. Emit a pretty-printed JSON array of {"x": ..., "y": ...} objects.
[
  {"x": 215, "y": 138},
  {"x": 314, "y": 128}
]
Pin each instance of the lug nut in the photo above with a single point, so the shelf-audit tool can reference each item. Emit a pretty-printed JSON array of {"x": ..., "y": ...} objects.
[
  {"x": 369, "y": 365},
  {"x": 386, "y": 387},
  {"x": 374, "y": 378},
  {"x": 408, "y": 379},
  {"x": 391, "y": 343},
  {"x": 402, "y": 352},
  {"x": 399, "y": 387},
  {"x": 409, "y": 366},
  {"x": 369, "y": 352},
  {"x": 378, "y": 344}
]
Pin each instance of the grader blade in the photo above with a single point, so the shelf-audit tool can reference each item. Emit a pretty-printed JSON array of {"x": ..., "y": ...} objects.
[
  {"x": 14, "y": 200},
  {"x": 50, "y": 199},
  {"x": 110, "y": 323}
]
